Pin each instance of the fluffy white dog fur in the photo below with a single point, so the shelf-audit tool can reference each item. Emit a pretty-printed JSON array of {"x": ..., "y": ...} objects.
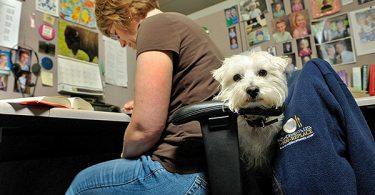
[{"x": 256, "y": 79}]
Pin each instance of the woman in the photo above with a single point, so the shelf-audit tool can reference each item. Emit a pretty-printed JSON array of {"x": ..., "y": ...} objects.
[{"x": 175, "y": 58}]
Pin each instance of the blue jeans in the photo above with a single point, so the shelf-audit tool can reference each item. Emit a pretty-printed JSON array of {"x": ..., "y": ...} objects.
[{"x": 139, "y": 176}]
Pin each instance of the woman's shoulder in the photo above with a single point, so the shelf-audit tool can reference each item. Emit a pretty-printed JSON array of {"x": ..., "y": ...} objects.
[{"x": 166, "y": 17}]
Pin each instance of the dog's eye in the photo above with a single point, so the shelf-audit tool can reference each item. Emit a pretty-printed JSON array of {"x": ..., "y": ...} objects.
[
  {"x": 262, "y": 73},
  {"x": 237, "y": 77}
]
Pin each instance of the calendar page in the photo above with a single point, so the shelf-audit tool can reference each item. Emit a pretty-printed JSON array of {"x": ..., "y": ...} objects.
[{"x": 77, "y": 76}]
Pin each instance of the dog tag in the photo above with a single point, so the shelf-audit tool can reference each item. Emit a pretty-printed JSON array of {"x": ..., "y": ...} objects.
[{"x": 290, "y": 126}]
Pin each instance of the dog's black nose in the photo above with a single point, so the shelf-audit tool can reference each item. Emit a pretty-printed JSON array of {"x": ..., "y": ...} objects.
[{"x": 252, "y": 91}]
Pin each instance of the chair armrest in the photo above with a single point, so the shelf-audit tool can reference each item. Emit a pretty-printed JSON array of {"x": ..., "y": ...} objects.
[
  {"x": 199, "y": 111},
  {"x": 212, "y": 109}
]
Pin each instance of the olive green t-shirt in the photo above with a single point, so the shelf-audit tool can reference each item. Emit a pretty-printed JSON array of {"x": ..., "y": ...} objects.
[{"x": 180, "y": 148}]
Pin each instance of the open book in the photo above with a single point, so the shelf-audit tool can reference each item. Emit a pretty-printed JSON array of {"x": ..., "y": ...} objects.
[{"x": 53, "y": 101}]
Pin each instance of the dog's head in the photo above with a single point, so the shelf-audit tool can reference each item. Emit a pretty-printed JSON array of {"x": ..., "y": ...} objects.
[{"x": 256, "y": 79}]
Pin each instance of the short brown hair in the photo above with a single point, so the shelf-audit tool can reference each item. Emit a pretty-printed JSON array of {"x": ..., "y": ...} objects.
[{"x": 121, "y": 12}]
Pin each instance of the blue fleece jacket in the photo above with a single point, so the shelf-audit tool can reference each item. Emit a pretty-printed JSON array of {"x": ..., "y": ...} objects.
[{"x": 331, "y": 150}]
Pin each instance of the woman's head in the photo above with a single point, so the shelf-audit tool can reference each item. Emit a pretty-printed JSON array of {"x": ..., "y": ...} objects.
[
  {"x": 122, "y": 14},
  {"x": 299, "y": 20}
]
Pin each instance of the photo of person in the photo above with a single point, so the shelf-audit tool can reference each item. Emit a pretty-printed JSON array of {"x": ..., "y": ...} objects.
[
  {"x": 258, "y": 36},
  {"x": 344, "y": 53},
  {"x": 252, "y": 9},
  {"x": 272, "y": 50},
  {"x": 3, "y": 82},
  {"x": 337, "y": 52},
  {"x": 21, "y": 84},
  {"x": 233, "y": 43},
  {"x": 287, "y": 47},
  {"x": 304, "y": 48},
  {"x": 363, "y": 23},
  {"x": 5, "y": 60},
  {"x": 232, "y": 33},
  {"x": 278, "y": 9},
  {"x": 331, "y": 29},
  {"x": 281, "y": 28},
  {"x": 23, "y": 58},
  {"x": 321, "y": 8},
  {"x": 300, "y": 24},
  {"x": 297, "y": 5},
  {"x": 292, "y": 66},
  {"x": 231, "y": 16}
]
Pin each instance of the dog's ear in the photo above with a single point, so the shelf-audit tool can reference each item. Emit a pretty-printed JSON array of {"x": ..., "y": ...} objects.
[
  {"x": 281, "y": 62},
  {"x": 218, "y": 74}
]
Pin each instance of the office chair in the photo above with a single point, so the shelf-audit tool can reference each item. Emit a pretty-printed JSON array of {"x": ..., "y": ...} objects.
[{"x": 220, "y": 136}]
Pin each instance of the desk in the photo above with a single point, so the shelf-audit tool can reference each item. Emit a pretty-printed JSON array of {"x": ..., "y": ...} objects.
[{"x": 42, "y": 149}]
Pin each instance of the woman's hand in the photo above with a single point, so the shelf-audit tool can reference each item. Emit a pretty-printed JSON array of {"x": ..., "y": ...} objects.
[{"x": 128, "y": 107}]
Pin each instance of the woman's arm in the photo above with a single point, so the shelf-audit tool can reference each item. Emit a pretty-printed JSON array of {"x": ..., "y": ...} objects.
[{"x": 153, "y": 83}]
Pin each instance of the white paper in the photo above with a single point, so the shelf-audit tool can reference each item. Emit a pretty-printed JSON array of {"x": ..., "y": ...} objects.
[
  {"x": 116, "y": 69},
  {"x": 10, "y": 14},
  {"x": 363, "y": 30},
  {"x": 48, "y": 6},
  {"x": 77, "y": 76}
]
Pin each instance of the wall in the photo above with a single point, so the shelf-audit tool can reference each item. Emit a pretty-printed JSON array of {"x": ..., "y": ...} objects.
[
  {"x": 30, "y": 37},
  {"x": 213, "y": 18}
]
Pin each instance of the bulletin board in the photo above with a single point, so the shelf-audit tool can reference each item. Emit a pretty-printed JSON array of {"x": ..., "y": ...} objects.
[
  {"x": 217, "y": 25},
  {"x": 31, "y": 20}
]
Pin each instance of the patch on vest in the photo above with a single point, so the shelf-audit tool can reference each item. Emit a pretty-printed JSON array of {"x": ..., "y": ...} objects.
[{"x": 294, "y": 132}]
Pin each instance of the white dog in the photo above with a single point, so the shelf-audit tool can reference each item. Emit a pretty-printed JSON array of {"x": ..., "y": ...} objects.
[{"x": 254, "y": 80}]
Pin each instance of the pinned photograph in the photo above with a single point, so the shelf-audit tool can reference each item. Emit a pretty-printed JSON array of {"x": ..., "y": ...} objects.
[
  {"x": 287, "y": 47},
  {"x": 232, "y": 32},
  {"x": 76, "y": 42},
  {"x": 330, "y": 29},
  {"x": 22, "y": 81},
  {"x": 281, "y": 30},
  {"x": 5, "y": 60},
  {"x": 258, "y": 36},
  {"x": 48, "y": 6},
  {"x": 23, "y": 58},
  {"x": 337, "y": 52},
  {"x": 300, "y": 24},
  {"x": 363, "y": 22},
  {"x": 3, "y": 82},
  {"x": 321, "y": 8},
  {"x": 278, "y": 9},
  {"x": 272, "y": 50},
  {"x": 231, "y": 16},
  {"x": 252, "y": 9},
  {"x": 297, "y": 5},
  {"x": 292, "y": 64},
  {"x": 304, "y": 47}
]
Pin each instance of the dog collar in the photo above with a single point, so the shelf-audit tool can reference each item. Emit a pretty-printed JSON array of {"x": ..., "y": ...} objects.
[{"x": 261, "y": 122}]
